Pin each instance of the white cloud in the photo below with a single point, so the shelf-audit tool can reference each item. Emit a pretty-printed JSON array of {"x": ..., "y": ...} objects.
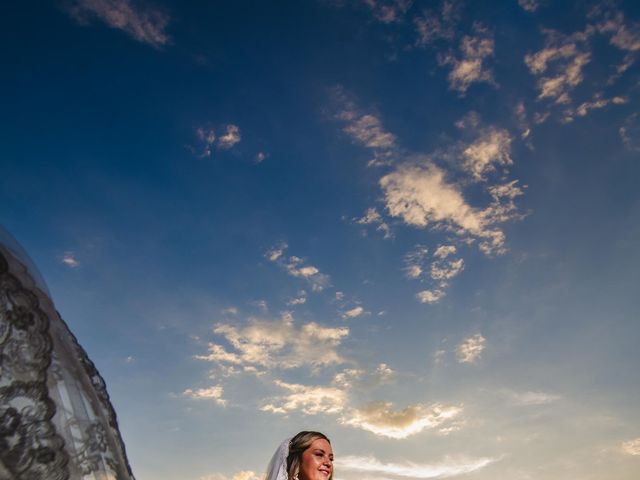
[
  {"x": 432, "y": 26},
  {"x": 230, "y": 138},
  {"x": 470, "y": 349},
  {"x": 530, "y": 398},
  {"x": 296, "y": 267},
  {"x": 372, "y": 217},
  {"x": 529, "y": 5},
  {"x": 364, "y": 128},
  {"x": 597, "y": 103},
  {"x": 381, "y": 419},
  {"x": 299, "y": 300},
  {"x": 492, "y": 148},
  {"x": 420, "y": 195},
  {"x": 241, "y": 475},
  {"x": 631, "y": 447},
  {"x": 448, "y": 467},
  {"x": 630, "y": 132},
  {"x": 261, "y": 157},
  {"x": 414, "y": 261},
  {"x": 469, "y": 66},
  {"x": 311, "y": 400},
  {"x": 445, "y": 270},
  {"x": 277, "y": 344},
  {"x": 212, "y": 393},
  {"x": 429, "y": 296},
  {"x": 146, "y": 25},
  {"x": 353, "y": 313},
  {"x": 388, "y": 11},
  {"x": 70, "y": 260},
  {"x": 443, "y": 251}
]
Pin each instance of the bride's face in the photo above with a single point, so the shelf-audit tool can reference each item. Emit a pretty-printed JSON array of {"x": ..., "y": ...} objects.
[{"x": 317, "y": 461}]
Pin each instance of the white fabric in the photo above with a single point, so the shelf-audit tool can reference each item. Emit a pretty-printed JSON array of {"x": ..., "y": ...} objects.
[{"x": 277, "y": 469}]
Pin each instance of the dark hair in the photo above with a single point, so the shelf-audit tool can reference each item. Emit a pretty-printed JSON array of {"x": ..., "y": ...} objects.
[{"x": 297, "y": 446}]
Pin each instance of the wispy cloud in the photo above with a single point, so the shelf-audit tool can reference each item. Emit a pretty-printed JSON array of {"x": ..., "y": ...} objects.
[
  {"x": 230, "y": 138},
  {"x": 383, "y": 420},
  {"x": 630, "y": 132},
  {"x": 145, "y": 24},
  {"x": 414, "y": 261},
  {"x": 469, "y": 65},
  {"x": 448, "y": 467},
  {"x": 70, "y": 260},
  {"x": 435, "y": 25},
  {"x": 531, "y": 398},
  {"x": 419, "y": 194},
  {"x": 301, "y": 299},
  {"x": 430, "y": 296},
  {"x": 297, "y": 267},
  {"x": 492, "y": 148},
  {"x": 529, "y": 5},
  {"x": 311, "y": 400},
  {"x": 388, "y": 11},
  {"x": 631, "y": 447},
  {"x": 364, "y": 128},
  {"x": 212, "y": 393},
  {"x": 241, "y": 475},
  {"x": 353, "y": 312},
  {"x": 597, "y": 103},
  {"x": 277, "y": 343},
  {"x": 372, "y": 217},
  {"x": 470, "y": 349}
]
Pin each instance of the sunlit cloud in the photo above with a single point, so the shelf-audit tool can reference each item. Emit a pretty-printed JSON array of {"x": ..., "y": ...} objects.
[
  {"x": 470, "y": 349},
  {"x": 310, "y": 400},
  {"x": 353, "y": 312},
  {"x": 241, "y": 475},
  {"x": 448, "y": 467},
  {"x": 430, "y": 296},
  {"x": 491, "y": 149},
  {"x": 419, "y": 194},
  {"x": 301, "y": 299},
  {"x": 388, "y": 11},
  {"x": 435, "y": 25},
  {"x": 631, "y": 447},
  {"x": 529, "y": 5},
  {"x": 145, "y": 24},
  {"x": 364, "y": 128},
  {"x": 230, "y": 138},
  {"x": 372, "y": 217},
  {"x": 531, "y": 398},
  {"x": 296, "y": 267},
  {"x": 443, "y": 251},
  {"x": 70, "y": 260},
  {"x": 277, "y": 344},
  {"x": 469, "y": 66},
  {"x": 630, "y": 132},
  {"x": 383, "y": 420},
  {"x": 261, "y": 157},
  {"x": 212, "y": 393},
  {"x": 414, "y": 262}
]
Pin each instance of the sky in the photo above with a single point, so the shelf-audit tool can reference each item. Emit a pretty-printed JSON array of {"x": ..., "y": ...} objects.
[{"x": 411, "y": 225}]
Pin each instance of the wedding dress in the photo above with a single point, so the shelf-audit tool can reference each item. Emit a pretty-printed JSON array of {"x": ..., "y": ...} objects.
[{"x": 56, "y": 420}]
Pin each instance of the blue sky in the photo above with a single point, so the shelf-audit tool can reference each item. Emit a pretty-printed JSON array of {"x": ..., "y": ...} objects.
[{"x": 411, "y": 225}]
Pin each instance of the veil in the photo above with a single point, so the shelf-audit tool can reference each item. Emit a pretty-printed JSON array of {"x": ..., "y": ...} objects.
[
  {"x": 277, "y": 469},
  {"x": 56, "y": 419}
]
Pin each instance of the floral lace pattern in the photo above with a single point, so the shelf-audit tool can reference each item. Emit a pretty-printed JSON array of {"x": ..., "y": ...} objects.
[{"x": 56, "y": 419}]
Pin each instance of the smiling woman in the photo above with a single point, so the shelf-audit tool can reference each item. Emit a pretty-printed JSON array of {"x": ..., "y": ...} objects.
[{"x": 306, "y": 456}]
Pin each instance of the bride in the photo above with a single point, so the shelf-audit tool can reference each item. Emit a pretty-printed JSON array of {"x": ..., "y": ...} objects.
[{"x": 306, "y": 456}]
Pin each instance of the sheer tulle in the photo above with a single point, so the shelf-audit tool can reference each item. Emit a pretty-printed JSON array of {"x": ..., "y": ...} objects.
[
  {"x": 277, "y": 469},
  {"x": 56, "y": 420}
]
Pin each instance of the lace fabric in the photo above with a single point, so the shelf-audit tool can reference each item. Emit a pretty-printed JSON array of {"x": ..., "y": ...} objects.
[{"x": 56, "y": 419}]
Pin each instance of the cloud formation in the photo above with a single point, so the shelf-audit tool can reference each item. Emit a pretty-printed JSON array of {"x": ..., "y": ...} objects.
[
  {"x": 449, "y": 467},
  {"x": 212, "y": 393},
  {"x": 388, "y": 11},
  {"x": 382, "y": 419},
  {"x": 297, "y": 267},
  {"x": 469, "y": 65},
  {"x": 492, "y": 148},
  {"x": 70, "y": 260},
  {"x": 230, "y": 138},
  {"x": 311, "y": 400},
  {"x": 372, "y": 217},
  {"x": 268, "y": 344},
  {"x": 147, "y": 25},
  {"x": 632, "y": 447},
  {"x": 435, "y": 25},
  {"x": 470, "y": 349}
]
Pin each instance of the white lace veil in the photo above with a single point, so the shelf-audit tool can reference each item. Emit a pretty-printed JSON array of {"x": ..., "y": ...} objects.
[{"x": 277, "y": 469}]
